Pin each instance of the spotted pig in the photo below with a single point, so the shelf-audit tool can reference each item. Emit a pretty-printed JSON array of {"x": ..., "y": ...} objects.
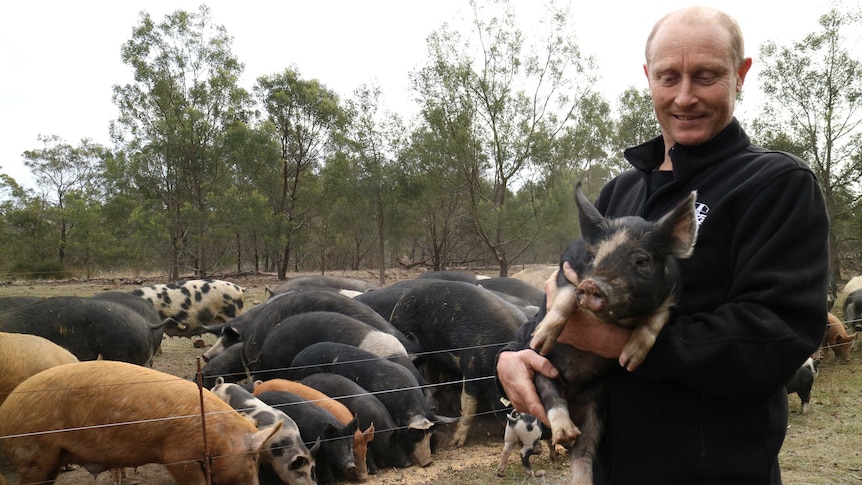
[{"x": 194, "y": 305}]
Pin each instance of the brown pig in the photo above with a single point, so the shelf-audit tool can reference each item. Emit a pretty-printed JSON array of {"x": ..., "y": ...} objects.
[
  {"x": 340, "y": 411},
  {"x": 109, "y": 414},
  {"x": 23, "y": 355},
  {"x": 836, "y": 339}
]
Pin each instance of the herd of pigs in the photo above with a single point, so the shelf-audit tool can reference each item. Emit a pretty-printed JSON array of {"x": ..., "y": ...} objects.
[{"x": 329, "y": 379}]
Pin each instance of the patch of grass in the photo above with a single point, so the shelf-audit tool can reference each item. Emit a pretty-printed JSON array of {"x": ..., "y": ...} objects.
[{"x": 825, "y": 447}]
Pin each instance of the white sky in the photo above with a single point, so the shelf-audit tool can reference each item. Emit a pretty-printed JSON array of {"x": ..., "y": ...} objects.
[{"x": 60, "y": 59}]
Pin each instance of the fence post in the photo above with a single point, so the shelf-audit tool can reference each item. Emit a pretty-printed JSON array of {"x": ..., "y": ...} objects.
[{"x": 207, "y": 464}]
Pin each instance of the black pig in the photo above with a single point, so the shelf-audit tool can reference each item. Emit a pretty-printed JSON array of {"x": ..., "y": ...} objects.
[{"x": 628, "y": 276}]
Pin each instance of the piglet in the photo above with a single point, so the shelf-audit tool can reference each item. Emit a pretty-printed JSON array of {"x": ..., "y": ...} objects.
[
  {"x": 628, "y": 276},
  {"x": 525, "y": 430},
  {"x": 802, "y": 382},
  {"x": 108, "y": 414}
]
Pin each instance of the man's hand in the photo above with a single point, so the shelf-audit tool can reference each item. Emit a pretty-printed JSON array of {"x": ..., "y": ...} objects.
[{"x": 515, "y": 371}]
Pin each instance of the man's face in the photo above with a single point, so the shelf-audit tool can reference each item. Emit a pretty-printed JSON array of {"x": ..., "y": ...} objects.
[{"x": 694, "y": 80}]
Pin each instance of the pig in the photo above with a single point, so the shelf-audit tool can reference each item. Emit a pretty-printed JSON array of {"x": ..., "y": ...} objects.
[
  {"x": 90, "y": 329},
  {"x": 296, "y": 332},
  {"x": 321, "y": 281},
  {"x": 386, "y": 449},
  {"x": 335, "y": 459},
  {"x": 383, "y": 301},
  {"x": 851, "y": 296},
  {"x": 253, "y": 327},
  {"x": 107, "y": 414},
  {"x": 23, "y": 355},
  {"x": 836, "y": 339},
  {"x": 461, "y": 326},
  {"x": 10, "y": 302},
  {"x": 525, "y": 430},
  {"x": 342, "y": 414},
  {"x": 515, "y": 287},
  {"x": 463, "y": 276},
  {"x": 227, "y": 365},
  {"x": 284, "y": 451},
  {"x": 802, "y": 381},
  {"x": 194, "y": 305},
  {"x": 141, "y": 306},
  {"x": 395, "y": 386},
  {"x": 629, "y": 276}
]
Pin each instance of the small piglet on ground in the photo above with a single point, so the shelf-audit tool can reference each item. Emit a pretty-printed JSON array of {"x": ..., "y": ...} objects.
[
  {"x": 802, "y": 382},
  {"x": 527, "y": 431},
  {"x": 629, "y": 276}
]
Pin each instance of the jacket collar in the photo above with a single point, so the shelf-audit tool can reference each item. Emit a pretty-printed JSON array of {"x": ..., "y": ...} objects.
[{"x": 689, "y": 160}]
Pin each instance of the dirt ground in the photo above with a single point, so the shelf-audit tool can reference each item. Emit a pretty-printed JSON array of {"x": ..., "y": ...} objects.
[{"x": 824, "y": 447}]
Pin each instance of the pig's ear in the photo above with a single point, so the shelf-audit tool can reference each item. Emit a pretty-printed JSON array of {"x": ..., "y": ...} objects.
[
  {"x": 592, "y": 223},
  {"x": 681, "y": 226},
  {"x": 259, "y": 439}
]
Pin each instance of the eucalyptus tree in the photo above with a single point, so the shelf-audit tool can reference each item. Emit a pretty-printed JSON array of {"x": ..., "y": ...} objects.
[
  {"x": 307, "y": 116},
  {"x": 501, "y": 100},
  {"x": 61, "y": 172},
  {"x": 374, "y": 141},
  {"x": 172, "y": 124},
  {"x": 813, "y": 104}
]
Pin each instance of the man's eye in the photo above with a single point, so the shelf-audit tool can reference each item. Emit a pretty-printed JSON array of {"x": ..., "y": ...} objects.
[
  {"x": 706, "y": 78},
  {"x": 667, "y": 79}
]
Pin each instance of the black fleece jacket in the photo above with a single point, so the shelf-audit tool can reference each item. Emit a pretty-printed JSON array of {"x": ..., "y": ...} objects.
[{"x": 708, "y": 405}]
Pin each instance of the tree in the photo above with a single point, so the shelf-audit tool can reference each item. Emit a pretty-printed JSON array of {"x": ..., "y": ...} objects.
[
  {"x": 306, "y": 116},
  {"x": 61, "y": 172},
  {"x": 375, "y": 144},
  {"x": 503, "y": 101},
  {"x": 172, "y": 124},
  {"x": 813, "y": 105}
]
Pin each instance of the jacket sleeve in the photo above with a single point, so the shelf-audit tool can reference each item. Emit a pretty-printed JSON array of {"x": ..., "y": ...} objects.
[{"x": 761, "y": 321}]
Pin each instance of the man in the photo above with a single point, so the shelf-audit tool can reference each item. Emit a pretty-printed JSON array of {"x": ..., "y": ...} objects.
[{"x": 707, "y": 404}]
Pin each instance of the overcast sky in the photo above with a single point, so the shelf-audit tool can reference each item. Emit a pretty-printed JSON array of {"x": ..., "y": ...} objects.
[{"x": 60, "y": 59}]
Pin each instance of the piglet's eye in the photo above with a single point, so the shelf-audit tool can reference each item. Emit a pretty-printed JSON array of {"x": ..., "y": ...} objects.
[{"x": 641, "y": 261}]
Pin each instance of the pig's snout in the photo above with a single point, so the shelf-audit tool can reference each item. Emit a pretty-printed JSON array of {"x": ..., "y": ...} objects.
[{"x": 592, "y": 295}]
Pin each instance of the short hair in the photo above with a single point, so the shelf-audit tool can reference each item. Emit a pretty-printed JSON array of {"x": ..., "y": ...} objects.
[{"x": 705, "y": 14}]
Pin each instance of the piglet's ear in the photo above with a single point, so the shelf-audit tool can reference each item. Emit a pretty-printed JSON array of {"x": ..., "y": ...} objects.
[
  {"x": 593, "y": 224},
  {"x": 680, "y": 225}
]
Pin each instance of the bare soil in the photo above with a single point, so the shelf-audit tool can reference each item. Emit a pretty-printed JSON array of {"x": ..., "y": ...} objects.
[{"x": 824, "y": 447}]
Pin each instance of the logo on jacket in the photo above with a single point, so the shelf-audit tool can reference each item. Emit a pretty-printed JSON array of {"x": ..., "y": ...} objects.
[{"x": 700, "y": 212}]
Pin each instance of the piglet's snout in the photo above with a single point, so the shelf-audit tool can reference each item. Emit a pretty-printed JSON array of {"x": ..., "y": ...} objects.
[{"x": 592, "y": 295}]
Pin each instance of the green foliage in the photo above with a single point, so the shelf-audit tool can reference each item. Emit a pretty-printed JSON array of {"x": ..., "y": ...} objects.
[
  {"x": 38, "y": 270},
  {"x": 816, "y": 113}
]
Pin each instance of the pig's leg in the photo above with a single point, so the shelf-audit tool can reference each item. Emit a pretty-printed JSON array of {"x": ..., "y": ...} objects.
[
  {"x": 35, "y": 461},
  {"x": 468, "y": 412},
  {"x": 526, "y": 452},
  {"x": 643, "y": 337},
  {"x": 547, "y": 331},
  {"x": 563, "y": 430},
  {"x": 187, "y": 473},
  {"x": 507, "y": 450},
  {"x": 585, "y": 449}
]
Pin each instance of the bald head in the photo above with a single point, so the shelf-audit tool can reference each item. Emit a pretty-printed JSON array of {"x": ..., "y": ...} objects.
[{"x": 706, "y": 16}]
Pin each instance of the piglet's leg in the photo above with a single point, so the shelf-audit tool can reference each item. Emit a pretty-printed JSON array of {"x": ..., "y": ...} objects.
[
  {"x": 563, "y": 430},
  {"x": 643, "y": 337},
  {"x": 507, "y": 450},
  {"x": 546, "y": 333}
]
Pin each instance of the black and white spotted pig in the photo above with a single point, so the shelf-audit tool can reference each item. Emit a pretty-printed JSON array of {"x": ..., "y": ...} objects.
[
  {"x": 194, "y": 304},
  {"x": 284, "y": 451},
  {"x": 525, "y": 430}
]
